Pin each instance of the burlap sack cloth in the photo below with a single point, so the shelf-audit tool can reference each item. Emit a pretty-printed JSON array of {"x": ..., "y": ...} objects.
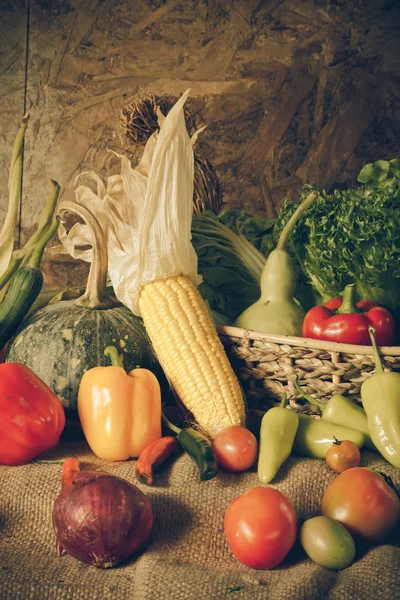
[{"x": 187, "y": 556}]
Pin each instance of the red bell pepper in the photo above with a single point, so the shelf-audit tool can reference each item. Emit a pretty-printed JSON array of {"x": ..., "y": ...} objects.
[
  {"x": 346, "y": 322},
  {"x": 31, "y": 415}
]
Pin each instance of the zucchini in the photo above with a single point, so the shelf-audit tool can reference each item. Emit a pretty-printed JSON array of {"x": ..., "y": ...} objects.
[{"x": 24, "y": 288}]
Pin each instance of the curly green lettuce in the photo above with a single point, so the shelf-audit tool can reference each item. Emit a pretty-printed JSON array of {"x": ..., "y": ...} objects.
[{"x": 351, "y": 236}]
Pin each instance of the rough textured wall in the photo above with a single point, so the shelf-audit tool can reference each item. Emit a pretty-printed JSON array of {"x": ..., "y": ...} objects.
[{"x": 292, "y": 91}]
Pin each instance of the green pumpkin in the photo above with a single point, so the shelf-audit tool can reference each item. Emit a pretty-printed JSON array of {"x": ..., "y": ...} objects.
[{"x": 63, "y": 340}]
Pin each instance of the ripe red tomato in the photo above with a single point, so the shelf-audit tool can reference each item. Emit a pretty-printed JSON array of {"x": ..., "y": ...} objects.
[
  {"x": 261, "y": 527},
  {"x": 236, "y": 448},
  {"x": 342, "y": 456},
  {"x": 364, "y": 503}
]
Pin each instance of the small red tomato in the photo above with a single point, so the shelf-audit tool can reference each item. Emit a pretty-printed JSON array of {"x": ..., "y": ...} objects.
[
  {"x": 261, "y": 527},
  {"x": 236, "y": 448},
  {"x": 364, "y": 503},
  {"x": 342, "y": 456}
]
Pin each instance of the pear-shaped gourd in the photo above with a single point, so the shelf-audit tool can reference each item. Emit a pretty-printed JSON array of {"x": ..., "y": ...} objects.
[{"x": 277, "y": 312}]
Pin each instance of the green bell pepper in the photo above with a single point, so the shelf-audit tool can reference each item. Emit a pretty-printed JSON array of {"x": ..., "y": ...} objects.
[
  {"x": 278, "y": 429},
  {"x": 341, "y": 411},
  {"x": 314, "y": 437}
]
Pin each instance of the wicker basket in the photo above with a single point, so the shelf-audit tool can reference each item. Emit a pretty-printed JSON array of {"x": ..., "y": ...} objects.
[{"x": 266, "y": 366}]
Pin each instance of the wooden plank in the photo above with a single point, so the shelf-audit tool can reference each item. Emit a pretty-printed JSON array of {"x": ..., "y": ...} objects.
[
  {"x": 275, "y": 123},
  {"x": 160, "y": 87},
  {"x": 13, "y": 25},
  {"x": 339, "y": 138},
  {"x": 251, "y": 67},
  {"x": 247, "y": 8},
  {"x": 155, "y": 15},
  {"x": 216, "y": 57},
  {"x": 333, "y": 147}
]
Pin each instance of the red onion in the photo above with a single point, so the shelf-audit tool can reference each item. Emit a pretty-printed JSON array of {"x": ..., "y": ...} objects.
[{"x": 101, "y": 519}]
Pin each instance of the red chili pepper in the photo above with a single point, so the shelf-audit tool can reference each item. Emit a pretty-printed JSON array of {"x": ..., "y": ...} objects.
[
  {"x": 154, "y": 455},
  {"x": 31, "y": 415},
  {"x": 345, "y": 322}
]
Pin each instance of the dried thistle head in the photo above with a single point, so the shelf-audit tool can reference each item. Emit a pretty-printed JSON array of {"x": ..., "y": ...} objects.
[
  {"x": 206, "y": 188},
  {"x": 139, "y": 121}
]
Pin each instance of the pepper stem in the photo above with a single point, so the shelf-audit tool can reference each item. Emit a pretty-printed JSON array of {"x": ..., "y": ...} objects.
[
  {"x": 389, "y": 481},
  {"x": 377, "y": 358},
  {"x": 284, "y": 401},
  {"x": 115, "y": 357},
  {"x": 348, "y": 305},
  {"x": 310, "y": 399},
  {"x": 287, "y": 230},
  {"x": 171, "y": 426}
]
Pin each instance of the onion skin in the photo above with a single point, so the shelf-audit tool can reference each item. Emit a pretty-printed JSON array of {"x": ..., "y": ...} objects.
[{"x": 101, "y": 519}]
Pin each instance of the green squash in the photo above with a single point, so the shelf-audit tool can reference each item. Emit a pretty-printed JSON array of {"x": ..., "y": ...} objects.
[{"x": 63, "y": 340}]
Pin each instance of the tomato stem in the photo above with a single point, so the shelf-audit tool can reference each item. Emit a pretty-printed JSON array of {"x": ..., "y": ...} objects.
[{"x": 389, "y": 481}]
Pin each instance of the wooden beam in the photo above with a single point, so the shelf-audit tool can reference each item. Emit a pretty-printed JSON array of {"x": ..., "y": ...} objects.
[
  {"x": 276, "y": 121},
  {"x": 155, "y": 15},
  {"x": 339, "y": 138},
  {"x": 333, "y": 146}
]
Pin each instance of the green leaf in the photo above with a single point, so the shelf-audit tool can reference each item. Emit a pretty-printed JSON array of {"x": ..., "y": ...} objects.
[
  {"x": 350, "y": 236},
  {"x": 394, "y": 167},
  {"x": 374, "y": 172}
]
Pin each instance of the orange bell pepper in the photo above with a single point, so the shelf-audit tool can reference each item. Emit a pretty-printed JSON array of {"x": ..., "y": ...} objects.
[{"x": 120, "y": 413}]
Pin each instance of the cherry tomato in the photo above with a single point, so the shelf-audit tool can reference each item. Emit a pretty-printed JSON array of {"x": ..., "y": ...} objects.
[
  {"x": 364, "y": 503},
  {"x": 342, "y": 456},
  {"x": 236, "y": 448},
  {"x": 261, "y": 527}
]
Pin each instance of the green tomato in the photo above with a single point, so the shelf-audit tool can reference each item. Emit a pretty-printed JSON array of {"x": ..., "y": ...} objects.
[{"x": 327, "y": 543}]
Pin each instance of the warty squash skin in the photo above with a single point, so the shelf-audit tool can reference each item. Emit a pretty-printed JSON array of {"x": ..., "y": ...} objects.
[{"x": 61, "y": 341}]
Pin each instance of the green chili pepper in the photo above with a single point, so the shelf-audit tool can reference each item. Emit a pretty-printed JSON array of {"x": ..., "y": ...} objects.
[
  {"x": 341, "y": 411},
  {"x": 199, "y": 448},
  {"x": 278, "y": 429},
  {"x": 380, "y": 395},
  {"x": 314, "y": 437}
]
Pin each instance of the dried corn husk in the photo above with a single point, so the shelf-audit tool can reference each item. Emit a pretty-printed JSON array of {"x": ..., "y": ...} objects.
[
  {"x": 146, "y": 213},
  {"x": 140, "y": 121}
]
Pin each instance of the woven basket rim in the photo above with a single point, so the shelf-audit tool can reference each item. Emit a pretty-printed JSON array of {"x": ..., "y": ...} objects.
[{"x": 249, "y": 334}]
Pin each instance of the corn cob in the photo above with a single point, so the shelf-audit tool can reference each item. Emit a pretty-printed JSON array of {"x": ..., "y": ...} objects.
[{"x": 187, "y": 345}]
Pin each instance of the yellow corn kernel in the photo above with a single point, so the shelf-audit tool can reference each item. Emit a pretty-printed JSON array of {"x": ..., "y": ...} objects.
[{"x": 187, "y": 345}]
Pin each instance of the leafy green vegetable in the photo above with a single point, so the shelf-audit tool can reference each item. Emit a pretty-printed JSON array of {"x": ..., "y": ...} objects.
[
  {"x": 256, "y": 230},
  {"x": 231, "y": 266},
  {"x": 379, "y": 171},
  {"x": 352, "y": 236}
]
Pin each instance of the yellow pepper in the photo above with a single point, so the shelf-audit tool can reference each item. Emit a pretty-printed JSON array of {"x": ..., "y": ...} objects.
[{"x": 120, "y": 413}]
